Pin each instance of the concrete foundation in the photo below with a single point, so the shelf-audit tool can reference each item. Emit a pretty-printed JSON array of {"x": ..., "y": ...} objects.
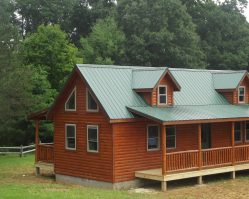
[{"x": 101, "y": 184}]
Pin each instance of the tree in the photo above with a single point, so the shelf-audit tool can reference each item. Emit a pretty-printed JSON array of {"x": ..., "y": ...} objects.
[
  {"x": 33, "y": 13},
  {"x": 224, "y": 33},
  {"x": 85, "y": 14},
  {"x": 104, "y": 44},
  {"x": 23, "y": 89},
  {"x": 159, "y": 33},
  {"x": 50, "y": 50}
]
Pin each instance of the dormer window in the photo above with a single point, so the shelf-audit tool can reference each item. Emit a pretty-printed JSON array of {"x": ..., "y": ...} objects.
[
  {"x": 91, "y": 105},
  {"x": 241, "y": 94},
  {"x": 162, "y": 95},
  {"x": 70, "y": 104}
]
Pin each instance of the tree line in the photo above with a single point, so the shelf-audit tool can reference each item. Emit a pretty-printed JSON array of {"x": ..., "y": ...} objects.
[{"x": 40, "y": 41}]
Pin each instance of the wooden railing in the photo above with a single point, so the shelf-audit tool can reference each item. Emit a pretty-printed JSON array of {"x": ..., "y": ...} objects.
[
  {"x": 214, "y": 157},
  {"x": 182, "y": 160},
  {"x": 45, "y": 153},
  {"x": 241, "y": 153}
]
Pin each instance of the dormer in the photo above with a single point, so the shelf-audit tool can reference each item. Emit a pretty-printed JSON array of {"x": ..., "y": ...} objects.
[
  {"x": 155, "y": 86},
  {"x": 234, "y": 86}
]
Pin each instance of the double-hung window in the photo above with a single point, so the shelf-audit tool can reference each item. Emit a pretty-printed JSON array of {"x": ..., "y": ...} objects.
[
  {"x": 241, "y": 94},
  {"x": 70, "y": 104},
  {"x": 153, "y": 137},
  {"x": 237, "y": 132},
  {"x": 171, "y": 137},
  {"x": 92, "y": 138},
  {"x": 162, "y": 95},
  {"x": 91, "y": 105},
  {"x": 70, "y": 131}
]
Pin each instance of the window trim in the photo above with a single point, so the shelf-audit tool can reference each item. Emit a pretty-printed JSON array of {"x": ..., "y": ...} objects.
[
  {"x": 66, "y": 141},
  {"x": 75, "y": 101},
  {"x": 97, "y": 127},
  {"x": 87, "y": 109},
  {"x": 241, "y": 102},
  {"x": 174, "y": 136},
  {"x": 158, "y": 95},
  {"x": 159, "y": 133},
  {"x": 246, "y": 139},
  {"x": 241, "y": 134}
]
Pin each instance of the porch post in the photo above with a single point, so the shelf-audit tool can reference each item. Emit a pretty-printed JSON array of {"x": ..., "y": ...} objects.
[
  {"x": 232, "y": 137},
  {"x": 199, "y": 146},
  {"x": 36, "y": 139},
  {"x": 163, "y": 141},
  {"x": 164, "y": 159},
  {"x": 200, "y": 153},
  {"x": 233, "y": 150}
]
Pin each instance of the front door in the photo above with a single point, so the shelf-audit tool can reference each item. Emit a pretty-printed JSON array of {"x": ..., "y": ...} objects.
[{"x": 206, "y": 136}]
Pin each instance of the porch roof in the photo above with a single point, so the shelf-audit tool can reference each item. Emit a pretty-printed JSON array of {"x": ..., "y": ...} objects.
[{"x": 191, "y": 113}]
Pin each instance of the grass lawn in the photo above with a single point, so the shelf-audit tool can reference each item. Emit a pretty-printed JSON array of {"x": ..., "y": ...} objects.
[{"x": 17, "y": 180}]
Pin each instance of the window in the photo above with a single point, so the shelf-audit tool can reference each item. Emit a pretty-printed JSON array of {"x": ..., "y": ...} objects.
[
  {"x": 237, "y": 132},
  {"x": 92, "y": 138},
  {"x": 71, "y": 136},
  {"x": 247, "y": 131},
  {"x": 171, "y": 137},
  {"x": 241, "y": 94},
  {"x": 92, "y": 106},
  {"x": 152, "y": 137},
  {"x": 162, "y": 95},
  {"x": 70, "y": 104}
]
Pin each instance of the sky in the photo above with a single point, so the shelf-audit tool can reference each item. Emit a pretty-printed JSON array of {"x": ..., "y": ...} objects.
[{"x": 246, "y": 13}]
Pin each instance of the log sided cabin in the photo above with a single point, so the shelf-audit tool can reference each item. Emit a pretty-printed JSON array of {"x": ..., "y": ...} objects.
[{"x": 117, "y": 125}]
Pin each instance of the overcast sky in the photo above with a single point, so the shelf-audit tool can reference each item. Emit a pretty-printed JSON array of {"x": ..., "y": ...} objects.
[{"x": 246, "y": 13}]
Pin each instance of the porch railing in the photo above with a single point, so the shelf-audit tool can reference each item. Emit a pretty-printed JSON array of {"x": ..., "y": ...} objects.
[
  {"x": 45, "y": 152},
  {"x": 215, "y": 157},
  {"x": 182, "y": 160}
]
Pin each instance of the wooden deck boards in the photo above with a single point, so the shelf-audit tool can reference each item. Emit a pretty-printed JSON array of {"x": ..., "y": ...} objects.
[{"x": 156, "y": 174}]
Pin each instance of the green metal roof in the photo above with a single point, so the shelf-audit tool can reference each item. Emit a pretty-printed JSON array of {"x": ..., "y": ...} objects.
[
  {"x": 197, "y": 99},
  {"x": 227, "y": 80},
  {"x": 146, "y": 79},
  {"x": 185, "y": 113},
  {"x": 196, "y": 88},
  {"x": 112, "y": 87}
]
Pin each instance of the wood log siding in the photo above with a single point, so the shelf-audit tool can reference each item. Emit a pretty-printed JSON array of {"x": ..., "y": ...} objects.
[
  {"x": 232, "y": 96},
  {"x": 79, "y": 162},
  {"x": 170, "y": 91}
]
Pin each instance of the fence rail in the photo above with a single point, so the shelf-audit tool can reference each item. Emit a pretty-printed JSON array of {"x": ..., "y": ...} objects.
[{"x": 21, "y": 150}]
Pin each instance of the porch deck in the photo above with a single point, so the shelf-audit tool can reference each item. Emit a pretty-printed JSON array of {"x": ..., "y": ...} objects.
[
  {"x": 156, "y": 174},
  {"x": 198, "y": 163}
]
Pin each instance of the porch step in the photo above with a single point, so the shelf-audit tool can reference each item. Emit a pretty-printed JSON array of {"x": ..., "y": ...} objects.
[{"x": 44, "y": 166}]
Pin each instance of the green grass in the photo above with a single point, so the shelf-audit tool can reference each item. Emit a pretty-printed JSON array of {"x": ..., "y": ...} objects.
[{"x": 17, "y": 180}]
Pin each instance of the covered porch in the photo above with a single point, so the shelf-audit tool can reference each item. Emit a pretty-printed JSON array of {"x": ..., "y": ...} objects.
[
  {"x": 44, "y": 153},
  {"x": 229, "y": 151},
  {"x": 198, "y": 163}
]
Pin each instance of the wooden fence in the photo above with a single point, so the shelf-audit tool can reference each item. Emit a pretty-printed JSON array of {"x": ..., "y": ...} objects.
[{"x": 19, "y": 150}]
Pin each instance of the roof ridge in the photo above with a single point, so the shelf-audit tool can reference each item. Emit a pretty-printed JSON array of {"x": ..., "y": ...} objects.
[
  {"x": 230, "y": 72},
  {"x": 207, "y": 70},
  {"x": 150, "y": 69},
  {"x": 118, "y": 67}
]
